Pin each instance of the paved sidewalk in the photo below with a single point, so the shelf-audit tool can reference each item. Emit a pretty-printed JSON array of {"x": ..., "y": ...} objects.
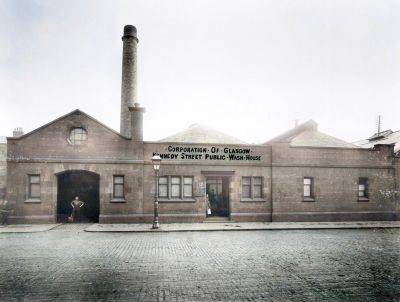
[
  {"x": 217, "y": 226},
  {"x": 26, "y": 228},
  {"x": 244, "y": 226}
]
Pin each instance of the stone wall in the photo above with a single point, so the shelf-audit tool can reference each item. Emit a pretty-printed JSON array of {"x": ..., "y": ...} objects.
[
  {"x": 282, "y": 168},
  {"x": 336, "y": 173},
  {"x": 44, "y": 210},
  {"x": 195, "y": 210},
  {"x": 47, "y": 152}
]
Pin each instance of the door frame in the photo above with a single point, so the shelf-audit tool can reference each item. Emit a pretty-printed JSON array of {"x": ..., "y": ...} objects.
[
  {"x": 56, "y": 175},
  {"x": 224, "y": 175}
]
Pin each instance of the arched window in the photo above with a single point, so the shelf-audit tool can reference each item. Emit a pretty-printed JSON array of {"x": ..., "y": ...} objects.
[{"x": 78, "y": 136}]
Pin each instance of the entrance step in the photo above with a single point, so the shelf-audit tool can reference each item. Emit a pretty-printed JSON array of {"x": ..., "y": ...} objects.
[{"x": 217, "y": 219}]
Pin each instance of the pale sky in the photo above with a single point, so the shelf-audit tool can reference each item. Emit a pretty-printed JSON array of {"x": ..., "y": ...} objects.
[{"x": 247, "y": 68}]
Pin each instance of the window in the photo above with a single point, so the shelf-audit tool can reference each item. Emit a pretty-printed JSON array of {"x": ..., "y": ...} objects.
[
  {"x": 252, "y": 187},
  {"x": 175, "y": 187},
  {"x": 163, "y": 187},
  {"x": 78, "y": 136},
  {"x": 187, "y": 186},
  {"x": 246, "y": 187},
  {"x": 308, "y": 187},
  {"x": 363, "y": 188},
  {"x": 257, "y": 187},
  {"x": 118, "y": 186},
  {"x": 34, "y": 186}
]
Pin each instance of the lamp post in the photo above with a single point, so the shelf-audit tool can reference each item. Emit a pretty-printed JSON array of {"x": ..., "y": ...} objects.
[{"x": 156, "y": 160}]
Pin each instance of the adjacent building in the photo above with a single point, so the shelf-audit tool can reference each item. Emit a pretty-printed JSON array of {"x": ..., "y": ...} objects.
[
  {"x": 3, "y": 167},
  {"x": 301, "y": 175},
  {"x": 387, "y": 137}
]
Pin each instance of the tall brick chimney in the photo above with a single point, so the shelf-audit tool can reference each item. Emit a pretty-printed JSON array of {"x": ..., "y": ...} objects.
[{"x": 129, "y": 83}]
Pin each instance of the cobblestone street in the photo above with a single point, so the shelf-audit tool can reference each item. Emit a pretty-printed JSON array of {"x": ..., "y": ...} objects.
[{"x": 67, "y": 263}]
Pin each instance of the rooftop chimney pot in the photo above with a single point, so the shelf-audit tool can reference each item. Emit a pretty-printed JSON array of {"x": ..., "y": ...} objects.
[{"x": 18, "y": 132}]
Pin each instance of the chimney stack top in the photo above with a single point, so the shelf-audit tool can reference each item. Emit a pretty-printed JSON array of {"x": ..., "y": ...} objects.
[
  {"x": 18, "y": 132},
  {"x": 130, "y": 32}
]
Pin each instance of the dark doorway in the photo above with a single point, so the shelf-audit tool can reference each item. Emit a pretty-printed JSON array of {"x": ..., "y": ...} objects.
[
  {"x": 217, "y": 189},
  {"x": 83, "y": 184}
]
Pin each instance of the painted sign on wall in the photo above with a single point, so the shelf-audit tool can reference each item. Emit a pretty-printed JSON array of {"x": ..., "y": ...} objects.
[{"x": 213, "y": 153}]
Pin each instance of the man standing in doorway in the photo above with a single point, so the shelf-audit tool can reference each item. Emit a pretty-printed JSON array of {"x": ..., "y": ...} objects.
[{"x": 76, "y": 209}]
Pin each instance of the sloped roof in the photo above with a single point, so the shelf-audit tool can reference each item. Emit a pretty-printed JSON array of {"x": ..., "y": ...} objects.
[
  {"x": 198, "y": 133},
  {"x": 307, "y": 135},
  {"x": 290, "y": 134},
  {"x": 314, "y": 138},
  {"x": 76, "y": 111},
  {"x": 387, "y": 137}
]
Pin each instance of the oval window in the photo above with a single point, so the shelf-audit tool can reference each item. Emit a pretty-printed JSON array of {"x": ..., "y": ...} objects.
[{"x": 78, "y": 136}]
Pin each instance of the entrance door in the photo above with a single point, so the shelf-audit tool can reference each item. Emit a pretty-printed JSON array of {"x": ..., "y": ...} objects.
[
  {"x": 217, "y": 189},
  {"x": 82, "y": 184}
]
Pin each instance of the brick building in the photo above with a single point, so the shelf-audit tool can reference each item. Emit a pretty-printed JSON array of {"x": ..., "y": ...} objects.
[{"x": 301, "y": 175}]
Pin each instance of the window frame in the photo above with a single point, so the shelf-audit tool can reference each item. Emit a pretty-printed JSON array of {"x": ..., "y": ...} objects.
[
  {"x": 174, "y": 185},
  {"x": 30, "y": 183},
  {"x": 363, "y": 181},
  {"x": 82, "y": 142},
  {"x": 257, "y": 185},
  {"x": 169, "y": 186},
  {"x": 163, "y": 184},
  {"x": 311, "y": 186},
  {"x": 247, "y": 185},
  {"x": 252, "y": 188},
  {"x": 185, "y": 185},
  {"x": 114, "y": 196}
]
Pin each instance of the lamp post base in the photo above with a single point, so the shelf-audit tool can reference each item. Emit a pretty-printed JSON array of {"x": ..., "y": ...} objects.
[{"x": 155, "y": 226}]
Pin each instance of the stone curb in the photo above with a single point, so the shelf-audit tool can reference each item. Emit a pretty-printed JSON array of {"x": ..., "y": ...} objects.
[
  {"x": 23, "y": 228},
  {"x": 140, "y": 228},
  {"x": 202, "y": 227}
]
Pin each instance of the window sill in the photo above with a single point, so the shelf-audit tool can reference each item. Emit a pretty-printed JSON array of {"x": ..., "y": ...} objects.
[
  {"x": 33, "y": 200},
  {"x": 363, "y": 199},
  {"x": 118, "y": 200},
  {"x": 308, "y": 199},
  {"x": 252, "y": 200},
  {"x": 176, "y": 200}
]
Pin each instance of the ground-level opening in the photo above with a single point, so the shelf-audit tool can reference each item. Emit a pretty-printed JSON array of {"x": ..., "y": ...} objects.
[
  {"x": 82, "y": 184},
  {"x": 217, "y": 188}
]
